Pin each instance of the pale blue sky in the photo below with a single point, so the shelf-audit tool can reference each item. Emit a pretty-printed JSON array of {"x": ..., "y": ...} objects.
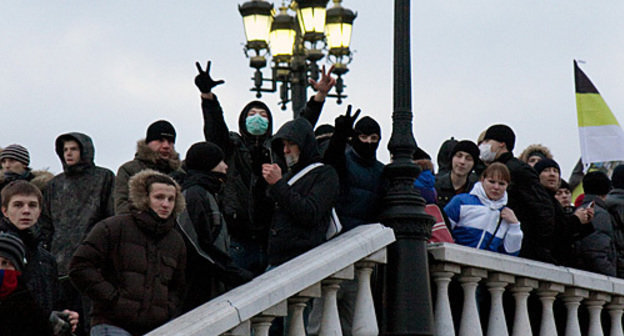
[{"x": 109, "y": 69}]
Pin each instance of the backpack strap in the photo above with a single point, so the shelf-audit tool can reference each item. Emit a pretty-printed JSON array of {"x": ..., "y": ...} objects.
[{"x": 304, "y": 171}]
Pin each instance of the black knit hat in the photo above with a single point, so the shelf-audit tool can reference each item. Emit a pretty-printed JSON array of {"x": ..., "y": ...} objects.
[
  {"x": 617, "y": 178},
  {"x": 564, "y": 184},
  {"x": 468, "y": 147},
  {"x": 161, "y": 129},
  {"x": 501, "y": 133},
  {"x": 323, "y": 131},
  {"x": 546, "y": 163},
  {"x": 596, "y": 183},
  {"x": 12, "y": 248},
  {"x": 17, "y": 153},
  {"x": 203, "y": 156},
  {"x": 367, "y": 126},
  {"x": 420, "y": 154}
]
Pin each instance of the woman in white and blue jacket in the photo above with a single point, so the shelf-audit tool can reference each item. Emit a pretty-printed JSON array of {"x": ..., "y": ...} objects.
[{"x": 480, "y": 218}]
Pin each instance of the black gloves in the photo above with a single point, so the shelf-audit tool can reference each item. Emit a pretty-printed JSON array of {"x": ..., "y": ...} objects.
[
  {"x": 59, "y": 322},
  {"x": 203, "y": 81},
  {"x": 344, "y": 123}
]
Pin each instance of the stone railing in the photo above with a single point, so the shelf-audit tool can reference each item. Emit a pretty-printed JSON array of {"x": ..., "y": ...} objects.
[
  {"x": 285, "y": 291},
  {"x": 551, "y": 286}
]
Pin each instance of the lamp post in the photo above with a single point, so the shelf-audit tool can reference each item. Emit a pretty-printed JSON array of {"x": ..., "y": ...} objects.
[
  {"x": 406, "y": 295},
  {"x": 295, "y": 44}
]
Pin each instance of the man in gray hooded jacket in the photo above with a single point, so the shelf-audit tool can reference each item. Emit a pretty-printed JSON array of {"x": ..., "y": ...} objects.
[{"x": 73, "y": 201}]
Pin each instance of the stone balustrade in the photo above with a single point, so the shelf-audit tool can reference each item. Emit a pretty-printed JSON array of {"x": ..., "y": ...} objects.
[
  {"x": 521, "y": 294},
  {"x": 287, "y": 289}
]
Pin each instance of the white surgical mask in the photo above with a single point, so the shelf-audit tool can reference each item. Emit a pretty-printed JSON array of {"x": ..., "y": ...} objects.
[{"x": 485, "y": 153}]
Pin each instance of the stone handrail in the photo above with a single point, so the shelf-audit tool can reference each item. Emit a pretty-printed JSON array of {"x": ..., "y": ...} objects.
[
  {"x": 520, "y": 277},
  {"x": 286, "y": 289}
]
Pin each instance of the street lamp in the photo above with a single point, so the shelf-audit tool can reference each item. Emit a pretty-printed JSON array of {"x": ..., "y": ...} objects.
[
  {"x": 407, "y": 295},
  {"x": 295, "y": 45}
]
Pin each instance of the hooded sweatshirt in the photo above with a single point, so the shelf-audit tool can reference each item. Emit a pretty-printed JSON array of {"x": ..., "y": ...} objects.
[
  {"x": 75, "y": 200},
  {"x": 476, "y": 222},
  {"x": 302, "y": 211}
]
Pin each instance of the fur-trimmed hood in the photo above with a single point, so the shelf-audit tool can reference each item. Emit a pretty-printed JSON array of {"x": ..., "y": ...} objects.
[
  {"x": 144, "y": 153},
  {"x": 39, "y": 178},
  {"x": 138, "y": 194},
  {"x": 524, "y": 157}
]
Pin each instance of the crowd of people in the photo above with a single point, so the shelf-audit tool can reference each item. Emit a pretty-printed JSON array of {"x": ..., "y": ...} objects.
[{"x": 91, "y": 252}]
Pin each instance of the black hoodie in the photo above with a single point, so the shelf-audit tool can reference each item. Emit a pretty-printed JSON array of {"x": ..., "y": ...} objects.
[
  {"x": 246, "y": 208},
  {"x": 302, "y": 211},
  {"x": 75, "y": 200}
]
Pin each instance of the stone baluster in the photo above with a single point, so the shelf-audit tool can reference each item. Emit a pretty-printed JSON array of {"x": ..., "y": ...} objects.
[
  {"x": 241, "y": 330},
  {"x": 470, "y": 324},
  {"x": 572, "y": 298},
  {"x": 496, "y": 283},
  {"x": 594, "y": 304},
  {"x": 330, "y": 322},
  {"x": 364, "y": 318},
  {"x": 262, "y": 322},
  {"x": 521, "y": 291},
  {"x": 615, "y": 309},
  {"x": 296, "y": 305},
  {"x": 442, "y": 274},
  {"x": 547, "y": 293}
]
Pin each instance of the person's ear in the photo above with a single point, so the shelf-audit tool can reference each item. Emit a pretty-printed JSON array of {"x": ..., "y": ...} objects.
[{"x": 4, "y": 211}]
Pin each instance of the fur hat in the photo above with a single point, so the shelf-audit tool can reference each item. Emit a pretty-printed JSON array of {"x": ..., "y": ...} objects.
[
  {"x": 161, "y": 129},
  {"x": 546, "y": 163},
  {"x": 596, "y": 183},
  {"x": 468, "y": 147},
  {"x": 12, "y": 248},
  {"x": 16, "y": 152},
  {"x": 501, "y": 133},
  {"x": 139, "y": 195},
  {"x": 535, "y": 150},
  {"x": 203, "y": 156}
]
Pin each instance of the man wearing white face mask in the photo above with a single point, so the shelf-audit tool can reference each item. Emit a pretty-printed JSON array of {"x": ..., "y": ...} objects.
[
  {"x": 246, "y": 207},
  {"x": 527, "y": 197}
]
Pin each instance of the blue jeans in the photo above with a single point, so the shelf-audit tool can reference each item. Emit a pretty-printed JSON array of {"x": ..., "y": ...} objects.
[
  {"x": 108, "y": 330},
  {"x": 249, "y": 255}
]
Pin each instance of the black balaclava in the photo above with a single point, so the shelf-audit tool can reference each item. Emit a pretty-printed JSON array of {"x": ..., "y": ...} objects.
[{"x": 366, "y": 126}]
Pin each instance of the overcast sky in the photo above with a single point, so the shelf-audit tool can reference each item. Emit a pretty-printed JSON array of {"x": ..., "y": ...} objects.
[{"x": 109, "y": 69}]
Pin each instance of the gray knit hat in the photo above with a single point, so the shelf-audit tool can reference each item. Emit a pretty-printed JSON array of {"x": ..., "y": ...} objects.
[
  {"x": 17, "y": 153},
  {"x": 12, "y": 248}
]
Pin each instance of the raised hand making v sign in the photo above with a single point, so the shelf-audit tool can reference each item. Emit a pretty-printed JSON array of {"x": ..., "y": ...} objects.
[{"x": 324, "y": 85}]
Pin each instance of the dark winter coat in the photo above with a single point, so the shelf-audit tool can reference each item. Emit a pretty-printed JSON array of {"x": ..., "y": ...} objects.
[
  {"x": 21, "y": 315},
  {"x": 145, "y": 158},
  {"x": 359, "y": 200},
  {"x": 533, "y": 207},
  {"x": 246, "y": 207},
  {"x": 446, "y": 191},
  {"x": 40, "y": 274},
  {"x": 132, "y": 266},
  {"x": 205, "y": 234},
  {"x": 303, "y": 210},
  {"x": 615, "y": 206},
  {"x": 568, "y": 230},
  {"x": 596, "y": 252},
  {"x": 75, "y": 200}
]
